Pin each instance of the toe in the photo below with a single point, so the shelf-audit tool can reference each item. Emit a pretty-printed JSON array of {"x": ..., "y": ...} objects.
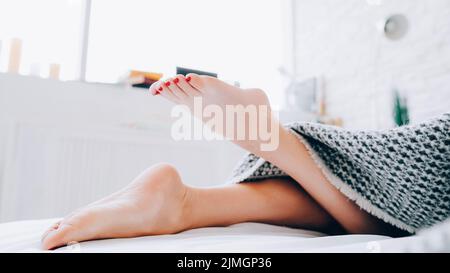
[
  {"x": 166, "y": 92},
  {"x": 77, "y": 227},
  {"x": 154, "y": 88},
  {"x": 54, "y": 227},
  {"x": 58, "y": 237},
  {"x": 195, "y": 81},
  {"x": 184, "y": 85},
  {"x": 176, "y": 90}
]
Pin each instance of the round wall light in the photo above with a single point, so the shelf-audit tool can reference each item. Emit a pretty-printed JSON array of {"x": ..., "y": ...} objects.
[{"x": 395, "y": 26}]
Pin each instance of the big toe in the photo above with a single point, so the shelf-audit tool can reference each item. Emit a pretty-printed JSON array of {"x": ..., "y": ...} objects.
[
  {"x": 62, "y": 235},
  {"x": 77, "y": 227}
]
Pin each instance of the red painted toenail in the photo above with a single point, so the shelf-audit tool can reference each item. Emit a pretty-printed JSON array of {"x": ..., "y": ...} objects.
[
  {"x": 160, "y": 89},
  {"x": 188, "y": 79},
  {"x": 176, "y": 80},
  {"x": 167, "y": 84}
]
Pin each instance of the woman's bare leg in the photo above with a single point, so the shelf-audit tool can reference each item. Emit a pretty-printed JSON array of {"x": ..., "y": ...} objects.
[
  {"x": 157, "y": 202},
  {"x": 290, "y": 155},
  {"x": 272, "y": 201}
]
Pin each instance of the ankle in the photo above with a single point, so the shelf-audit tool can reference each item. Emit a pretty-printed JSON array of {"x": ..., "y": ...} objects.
[{"x": 186, "y": 217}]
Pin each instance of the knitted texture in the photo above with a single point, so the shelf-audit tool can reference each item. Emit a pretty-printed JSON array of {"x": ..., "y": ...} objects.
[{"x": 401, "y": 175}]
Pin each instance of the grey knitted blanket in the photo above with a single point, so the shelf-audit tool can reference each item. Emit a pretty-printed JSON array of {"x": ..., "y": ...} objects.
[{"x": 401, "y": 176}]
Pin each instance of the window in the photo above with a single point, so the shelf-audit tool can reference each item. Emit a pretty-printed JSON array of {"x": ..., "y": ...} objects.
[
  {"x": 239, "y": 40},
  {"x": 49, "y": 31}
]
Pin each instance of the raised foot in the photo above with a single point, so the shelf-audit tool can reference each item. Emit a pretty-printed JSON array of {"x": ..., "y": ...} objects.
[
  {"x": 182, "y": 90},
  {"x": 241, "y": 115}
]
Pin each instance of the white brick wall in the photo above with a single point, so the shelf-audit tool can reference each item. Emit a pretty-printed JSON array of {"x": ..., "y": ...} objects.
[{"x": 339, "y": 40}]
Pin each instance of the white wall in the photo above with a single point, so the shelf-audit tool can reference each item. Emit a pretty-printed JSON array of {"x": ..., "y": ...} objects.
[{"x": 338, "y": 39}]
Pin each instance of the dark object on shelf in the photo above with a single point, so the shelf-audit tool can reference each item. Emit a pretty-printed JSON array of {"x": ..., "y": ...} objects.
[
  {"x": 401, "y": 115},
  {"x": 184, "y": 71}
]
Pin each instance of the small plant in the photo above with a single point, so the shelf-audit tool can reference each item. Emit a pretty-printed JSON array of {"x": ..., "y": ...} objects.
[{"x": 401, "y": 115}]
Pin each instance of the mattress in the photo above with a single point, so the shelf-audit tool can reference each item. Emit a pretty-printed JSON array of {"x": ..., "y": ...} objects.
[{"x": 24, "y": 236}]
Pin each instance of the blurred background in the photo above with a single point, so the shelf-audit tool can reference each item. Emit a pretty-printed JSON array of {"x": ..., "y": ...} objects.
[{"x": 77, "y": 122}]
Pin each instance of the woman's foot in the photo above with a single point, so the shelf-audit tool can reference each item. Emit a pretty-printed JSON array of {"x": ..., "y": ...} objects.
[
  {"x": 252, "y": 123},
  {"x": 154, "y": 203},
  {"x": 182, "y": 90}
]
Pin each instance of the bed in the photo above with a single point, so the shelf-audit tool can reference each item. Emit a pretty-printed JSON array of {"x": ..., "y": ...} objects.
[{"x": 24, "y": 236}]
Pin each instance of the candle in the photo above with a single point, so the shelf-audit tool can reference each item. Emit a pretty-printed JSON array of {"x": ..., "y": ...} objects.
[
  {"x": 15, "y": 56},
  {"x": 54, "y": 71}
]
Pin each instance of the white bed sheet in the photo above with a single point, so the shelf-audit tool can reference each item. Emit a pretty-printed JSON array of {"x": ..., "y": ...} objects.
[{"x": 24, "y": 236}]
